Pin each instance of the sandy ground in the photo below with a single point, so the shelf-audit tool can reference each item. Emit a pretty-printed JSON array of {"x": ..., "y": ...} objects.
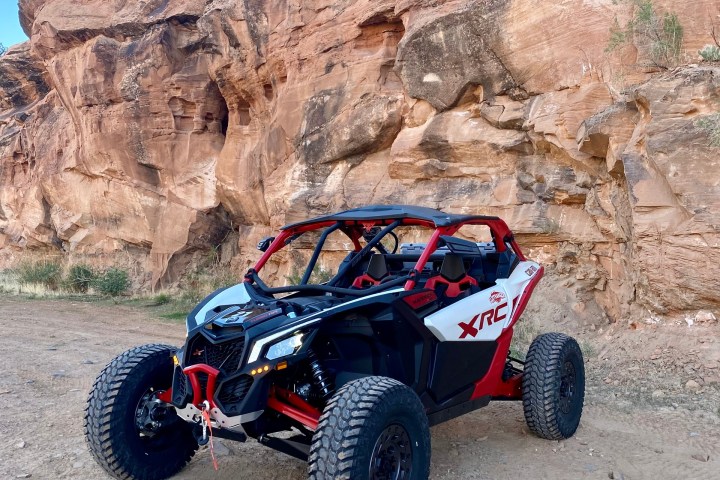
[{"x": 642, "y": 420}]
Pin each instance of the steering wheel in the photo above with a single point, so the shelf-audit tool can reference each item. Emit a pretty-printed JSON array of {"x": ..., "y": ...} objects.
[
  {"x": 368, "y": 235},
  {"x": 381, "y": 248}
]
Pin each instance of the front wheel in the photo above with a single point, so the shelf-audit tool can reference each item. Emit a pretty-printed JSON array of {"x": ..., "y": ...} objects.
[
  {"x": 373, "y": 428},
  {"x": 553, "y": 386},
  {"x": 131, "y": 433}
]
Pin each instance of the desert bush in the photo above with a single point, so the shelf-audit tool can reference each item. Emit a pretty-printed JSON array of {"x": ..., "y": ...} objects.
[
  {"x": 161, "y": 299},
  {"x": 524, "y": 333},
  {"x": 112, "y": 282},
  {"x": 192, "y": 287},
  {"x": 588, "y": 350},
  {"x": 213, "y": 256},
  {"x": 42, "y": 272},
  {"x": 223, "y": 277},
  {"x": 80, "y": 278},
  {"x": 319, "y": 275},
  {"x": 658, "y": 36},
  {"x": 710, "y": 53},
  {"x": 711, "y": 125}
]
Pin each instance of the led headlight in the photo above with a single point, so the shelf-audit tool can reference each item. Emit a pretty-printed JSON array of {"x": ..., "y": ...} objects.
[{"x": 285, "y": 347}]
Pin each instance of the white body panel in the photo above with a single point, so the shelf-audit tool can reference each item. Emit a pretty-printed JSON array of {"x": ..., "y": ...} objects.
[
  {"x": 484, "y": 315},
  {"x": 235, "y": 295}
]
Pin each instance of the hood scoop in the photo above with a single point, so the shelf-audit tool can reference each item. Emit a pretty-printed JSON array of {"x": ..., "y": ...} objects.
[{"x": 247, "y": 316}]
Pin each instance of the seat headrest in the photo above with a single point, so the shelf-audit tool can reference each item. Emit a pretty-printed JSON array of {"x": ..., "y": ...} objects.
[
  {"x": 377, "y": 268},
  {"x": 452, "y": 268}
]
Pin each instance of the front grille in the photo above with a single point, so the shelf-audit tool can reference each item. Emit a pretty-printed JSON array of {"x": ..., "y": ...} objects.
[
  {"x": 233, "y": 392},
  {"x": 225, "y": 356},
  {"x": 203, "y": 381}
]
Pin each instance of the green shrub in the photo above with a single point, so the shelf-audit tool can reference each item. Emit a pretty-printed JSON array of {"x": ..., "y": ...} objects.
[
  {"x": 43, "y": 272},
  {"x": 587, "y": 349},
  {"x": 710, "y": 53},
  {"x": 113, "y": 282},
  {"x": 80, "y": 278},
  {"x": 658, "y": 36},
  {"x": 213, "y": 256},
  {"x": 319, "y": 275},
  {"x": 618, "y": 37},
  {"x": 711, "y": 125},
  {"x": 193, "y": 288},
  {"x": 223, "y": 277},
  {"x": 524, "y": 333},
  {"x": 161, "y": 299}
]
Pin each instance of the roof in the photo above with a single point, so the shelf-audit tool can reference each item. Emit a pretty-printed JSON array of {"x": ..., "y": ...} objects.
[{"x": 393, "y": 212}]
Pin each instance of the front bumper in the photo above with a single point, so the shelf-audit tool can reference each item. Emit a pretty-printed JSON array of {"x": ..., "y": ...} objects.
[
  {"x": 190, "y": 413},
  {"x": 196, "y": 384}
]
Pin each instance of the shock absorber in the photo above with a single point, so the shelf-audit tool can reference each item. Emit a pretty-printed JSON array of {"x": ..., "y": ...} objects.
[{"x": 320, "y": 377}]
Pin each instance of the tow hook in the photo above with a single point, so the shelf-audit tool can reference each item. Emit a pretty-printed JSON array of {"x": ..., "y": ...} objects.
[{"x": 201, "y": 435}]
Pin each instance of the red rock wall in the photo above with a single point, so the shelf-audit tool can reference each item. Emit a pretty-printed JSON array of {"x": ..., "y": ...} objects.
[{"x": 155, "y": 129}]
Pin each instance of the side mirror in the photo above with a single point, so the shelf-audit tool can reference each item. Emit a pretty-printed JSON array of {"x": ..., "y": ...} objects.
[{"x": 264, "y": 244}]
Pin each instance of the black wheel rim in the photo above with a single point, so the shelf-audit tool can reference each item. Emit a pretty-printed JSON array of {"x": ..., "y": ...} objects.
[
  {"x": 567, "y": 387},
  {"x": 392, "y": 455},
  {"x": 155, "y": 422}
]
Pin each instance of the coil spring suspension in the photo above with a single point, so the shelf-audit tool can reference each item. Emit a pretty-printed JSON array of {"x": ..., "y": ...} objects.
[{"x": 320, "y": 377}]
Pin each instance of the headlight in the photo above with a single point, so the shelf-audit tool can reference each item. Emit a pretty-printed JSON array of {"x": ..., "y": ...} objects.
[{"x": 285, "y": 347}]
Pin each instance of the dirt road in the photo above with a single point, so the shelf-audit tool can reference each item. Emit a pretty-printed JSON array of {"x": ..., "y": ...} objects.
[{"x": 641, "y": 421}]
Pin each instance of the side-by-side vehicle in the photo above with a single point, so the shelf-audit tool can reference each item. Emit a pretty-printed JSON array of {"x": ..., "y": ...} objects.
[{"x": 351, "y": 370}]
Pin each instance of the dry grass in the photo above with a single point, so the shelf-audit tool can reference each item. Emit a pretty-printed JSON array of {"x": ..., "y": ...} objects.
[{"x": 524, "y": 333}]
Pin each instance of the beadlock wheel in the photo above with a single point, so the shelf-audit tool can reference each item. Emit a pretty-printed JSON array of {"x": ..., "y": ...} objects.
[
  {"x": 553, "y": 388},
  {"x": 392, "y": 455},
  {"x": 373, "y": 428},
  {"x": 129, "y": 431}
]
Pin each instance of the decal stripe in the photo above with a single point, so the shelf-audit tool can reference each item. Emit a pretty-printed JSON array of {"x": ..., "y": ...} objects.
[{"x": 485, "y": 315}]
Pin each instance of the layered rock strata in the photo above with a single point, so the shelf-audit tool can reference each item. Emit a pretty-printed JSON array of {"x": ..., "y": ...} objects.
[{"x": 158, "y": 129}]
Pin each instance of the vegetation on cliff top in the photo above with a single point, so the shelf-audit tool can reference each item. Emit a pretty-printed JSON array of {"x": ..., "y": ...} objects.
[
  {"x": 658, "y": 36},
  {"x": 711, "y": 53},
  {"x": 711, "y": 125}
]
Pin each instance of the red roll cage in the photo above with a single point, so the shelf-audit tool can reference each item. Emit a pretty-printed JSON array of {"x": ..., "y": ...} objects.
[{"x": 354, "y": 228}]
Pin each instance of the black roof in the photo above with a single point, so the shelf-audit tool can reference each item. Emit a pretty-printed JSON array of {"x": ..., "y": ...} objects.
[{"x": 382, "y": 212}]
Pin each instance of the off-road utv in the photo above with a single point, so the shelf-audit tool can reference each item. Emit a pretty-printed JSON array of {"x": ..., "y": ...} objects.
[{"x": 349, "y": 373}]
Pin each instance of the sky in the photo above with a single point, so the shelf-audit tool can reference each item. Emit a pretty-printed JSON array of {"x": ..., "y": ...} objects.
[{"x": 10, "y": 30}]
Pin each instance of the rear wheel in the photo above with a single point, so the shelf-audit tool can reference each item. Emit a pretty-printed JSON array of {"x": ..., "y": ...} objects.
[
  {"x": 130, "y": 432},
  {"x": 372, "y": 428},
  {"x": 553, "y": 388}
]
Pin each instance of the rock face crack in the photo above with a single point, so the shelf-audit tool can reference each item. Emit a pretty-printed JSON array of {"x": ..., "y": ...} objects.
[{"x": 516, "y": 92}]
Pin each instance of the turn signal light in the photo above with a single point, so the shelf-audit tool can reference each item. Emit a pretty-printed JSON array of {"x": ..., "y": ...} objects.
[{"x": 260, "y": 370}]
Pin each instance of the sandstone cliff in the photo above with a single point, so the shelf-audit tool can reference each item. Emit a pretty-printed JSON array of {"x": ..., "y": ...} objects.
[{"x": 162, "y": 128}]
